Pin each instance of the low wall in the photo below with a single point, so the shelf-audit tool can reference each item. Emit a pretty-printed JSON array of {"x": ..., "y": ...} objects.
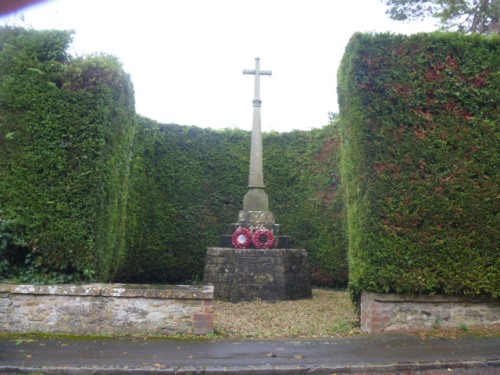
[
  {"x": 106, "y": 309},
  {"x": 394, "y": 312}
]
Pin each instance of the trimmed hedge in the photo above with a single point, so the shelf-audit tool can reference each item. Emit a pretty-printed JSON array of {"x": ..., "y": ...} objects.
[
  {"x": 419, "y": 118},
  {"x": 66, "y": 128},
  {"x": 302, "y": 180},
  {"x": 185, "y": 183},
  {"x": 188, "y": 184},
  {"x": 90, "y": 190}
]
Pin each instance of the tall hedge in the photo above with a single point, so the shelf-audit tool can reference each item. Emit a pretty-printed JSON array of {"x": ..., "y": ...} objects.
[
  {"x": 185, "y": 182},
  {"x": 302, "y": 176},
  {"x": 66, "y": 128},
  {"x": 419, "y": 117},
  {"x": 90, "y": 190},
  {"x": 188, "y": 184}
]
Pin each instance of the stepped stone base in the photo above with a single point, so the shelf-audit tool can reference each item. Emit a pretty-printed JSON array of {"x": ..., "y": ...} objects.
[
  {"x": 256, "y": 220},
  {"x": 252, "y": 274}
]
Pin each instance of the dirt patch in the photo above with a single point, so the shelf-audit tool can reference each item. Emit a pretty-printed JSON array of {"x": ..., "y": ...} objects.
[{"x": 328, "y": 314}]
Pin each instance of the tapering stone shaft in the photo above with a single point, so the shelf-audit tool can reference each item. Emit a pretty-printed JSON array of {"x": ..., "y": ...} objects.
[{"x": 256, "y": 198}]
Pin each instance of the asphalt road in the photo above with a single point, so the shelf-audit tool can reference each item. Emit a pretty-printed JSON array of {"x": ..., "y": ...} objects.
[{"x": 359, "y": 354}]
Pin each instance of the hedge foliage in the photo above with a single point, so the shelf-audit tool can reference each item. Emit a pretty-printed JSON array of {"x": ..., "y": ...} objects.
[
  {"x": 185, "y": 182},
  {"x": 66, "y": 128},
  {"x": 419, "y": 118},
  {"x": 302, "y": 176},
  {"x": 90, "y": 190},
  {"x": 188, "y": 184}
]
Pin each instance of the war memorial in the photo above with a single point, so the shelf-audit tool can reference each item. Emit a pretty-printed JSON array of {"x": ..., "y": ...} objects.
[{"x": 254, "y": 260}]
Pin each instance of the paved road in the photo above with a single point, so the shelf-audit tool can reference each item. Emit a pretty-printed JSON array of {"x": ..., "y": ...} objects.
[{"x": 392, "y": 353}]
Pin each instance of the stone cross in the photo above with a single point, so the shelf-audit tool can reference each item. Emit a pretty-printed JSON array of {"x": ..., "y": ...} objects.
[{"x": 256, "y": 198}]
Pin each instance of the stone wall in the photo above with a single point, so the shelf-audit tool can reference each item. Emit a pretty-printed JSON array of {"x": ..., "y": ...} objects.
[
  {"x": 106, "y": 309},
  {"x": 393, "y": 312}
]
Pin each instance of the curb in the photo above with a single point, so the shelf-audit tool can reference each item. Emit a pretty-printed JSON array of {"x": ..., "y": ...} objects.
[{"x": 488, "y": 367}]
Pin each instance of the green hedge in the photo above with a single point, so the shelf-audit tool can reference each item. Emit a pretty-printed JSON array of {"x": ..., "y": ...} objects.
[
  {"x": 90, "y": 190},
  {"x": 303, "y": 183},
  {"x": 66, "y": 128},
  {"x": 188, "y": 184},
  {"x": 185, "y": 183},
  {"x": 419, "y": 118}
]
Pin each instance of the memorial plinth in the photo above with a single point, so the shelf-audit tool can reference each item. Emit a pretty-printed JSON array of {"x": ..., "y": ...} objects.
[
  {"x": 254, "y": 274},
  {"x": 254, "y": 260}
]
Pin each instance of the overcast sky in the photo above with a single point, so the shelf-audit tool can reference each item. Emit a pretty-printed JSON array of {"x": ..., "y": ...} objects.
[{"x": 186, "y": 57}]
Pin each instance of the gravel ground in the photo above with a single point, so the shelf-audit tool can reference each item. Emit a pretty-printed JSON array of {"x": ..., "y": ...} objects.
[{"x": 328, "y": 314}]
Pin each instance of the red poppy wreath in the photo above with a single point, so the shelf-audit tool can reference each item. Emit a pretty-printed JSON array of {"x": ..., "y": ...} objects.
[
  {"x": 242, "y": 238},
  {"x": 263, "y": 239}
]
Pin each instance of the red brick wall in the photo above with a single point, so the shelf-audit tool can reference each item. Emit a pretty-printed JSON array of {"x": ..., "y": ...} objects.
[
  {"x": 203, "y": 322},
  {"x": 393, "y": 312}
]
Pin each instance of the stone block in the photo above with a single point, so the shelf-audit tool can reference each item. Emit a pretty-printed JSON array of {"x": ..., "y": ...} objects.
[
  {"x": 65, "y": 290},
  {"x": 252, "y": 274},
  {"x": 158, "y": 291},
  {"x": 255, "y": 217},
  {"x": 4, "y": 288}
]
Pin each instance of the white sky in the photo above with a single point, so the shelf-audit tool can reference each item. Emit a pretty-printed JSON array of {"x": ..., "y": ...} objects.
[{"x": 186, "y": 57}]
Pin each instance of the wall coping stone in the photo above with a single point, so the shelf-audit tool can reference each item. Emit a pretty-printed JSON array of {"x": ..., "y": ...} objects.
[
  {"x": 205, "y": 292},
  {"x": 437, "y": 298},
  {"x": 4, "y": 288}
]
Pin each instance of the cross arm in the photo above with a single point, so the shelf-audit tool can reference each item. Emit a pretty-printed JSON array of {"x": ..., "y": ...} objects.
[{"x": 261, "y": 72}]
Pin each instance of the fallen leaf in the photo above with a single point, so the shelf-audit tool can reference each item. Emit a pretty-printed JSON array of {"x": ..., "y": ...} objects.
[
  {"x": 290, "y": 319},
  {"x": 22, "y": 341}
]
